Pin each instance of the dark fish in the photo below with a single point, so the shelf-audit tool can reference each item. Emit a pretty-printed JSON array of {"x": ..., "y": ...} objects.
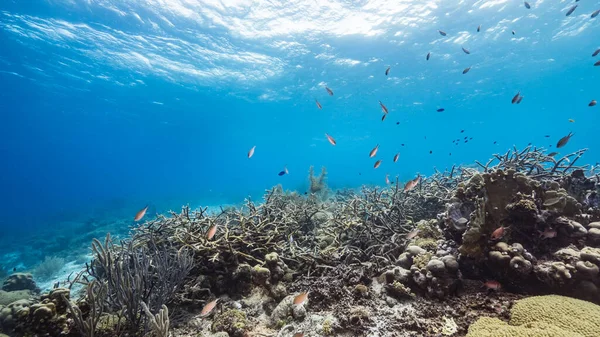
[
  {"x": 596, "y": 52},
  {"x": 495, "y": 142},
  {"x": 466, "y": 137},
  {"x": 383, "y": 117},
  {"x": 442, "y": 33},
  {"x": 547, "y": 136},
  {"x": 570, "y": 11},
  {"x": 318, "y": 104},
  {"x": 595, "y": 14},
  {"x": 401, "y": 144},
  {"x": 527, "y": 5},
  {"x": 397, "y": 123},
  {"x": 440, "y": 110},
  {"x": 516, "y": 98},
  {"x": 450, "y": 154},
  {"x": 597, "y": 63},
  {"x": 428, "y": 56},
  {"x": 329, "y": 91},
  {"x": 552, "y": 154},
  {"x": 14, "y": 269},
  {"x": 377, "y": 164},
  {"x": 284, "y": 172},
  {"x": 470, "y": 138},
  {"x": 430, "y": 152},
  {"x": 387, "y": 71},
  {"x": 478, "y": 28},
  {"x": 466, "y": 50},
  {"x": 520, "y": 99},
  {"x": 466, "y": 70},
  {"x": 461, "y": 131},
  {"x": 592, "y": 103},
  {"x": 564, "y": 140},
  {"x": 513, "y": 32},
  {"x": 383, "y": 108}
]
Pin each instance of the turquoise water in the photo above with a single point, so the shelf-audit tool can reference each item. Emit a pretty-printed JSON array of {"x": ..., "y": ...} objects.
[{"x": 109, "y": 105}]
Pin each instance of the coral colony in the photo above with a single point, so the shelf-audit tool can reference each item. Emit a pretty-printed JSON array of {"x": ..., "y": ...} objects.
[{"x": 506, "y": 248}]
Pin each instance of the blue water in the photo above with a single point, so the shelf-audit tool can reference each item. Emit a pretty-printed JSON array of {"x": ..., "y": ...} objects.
[{"x": 108, "y": 105}]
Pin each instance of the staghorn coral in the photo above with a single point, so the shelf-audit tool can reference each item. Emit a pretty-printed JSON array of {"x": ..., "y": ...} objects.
[{"x": 317, "y": 183}]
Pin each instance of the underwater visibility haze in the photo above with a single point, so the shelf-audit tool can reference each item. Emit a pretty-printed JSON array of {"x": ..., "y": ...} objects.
[{"x": 110, "y": 107}]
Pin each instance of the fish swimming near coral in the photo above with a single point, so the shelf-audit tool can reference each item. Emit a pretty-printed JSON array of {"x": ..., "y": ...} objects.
[
  {"x": 139, "y": 215},
  {"x": 284, "y": 172},
  {"x": 548, "y": 233},
  {"x": 373, "y": 152},
  {"x": 298, "y": 334},
  {"x": 552, "y": 154},
  {"x": 498, "y": 233},
  {"x": 377, "y": 164},
  {"x": 329, "y": 91},
  {"x": 564, "y": 140},
  {"x": 208, "y": 308},
  {"x": 301, "y": 298},
  {"x": 251, "y": 152},
  {"x": 466, "y": 70},
  {"x": 387, "y": 179},
  {"x": 492, "y": 285},
  {"x": 412, "y": 234},
  {"x": 331, "y": 140},
  {"x": 383, "y": 108},
  {"x": 211, "y": 232},
  {"x": 411, "y": 184},
  {"x": 396, "y": 156}
]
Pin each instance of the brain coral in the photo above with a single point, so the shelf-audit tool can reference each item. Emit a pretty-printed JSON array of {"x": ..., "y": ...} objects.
[{"x": 543, "y": 316}]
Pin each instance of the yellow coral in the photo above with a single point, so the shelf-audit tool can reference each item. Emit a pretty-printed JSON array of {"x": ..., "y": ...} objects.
[{"x": 544, "y": 316}]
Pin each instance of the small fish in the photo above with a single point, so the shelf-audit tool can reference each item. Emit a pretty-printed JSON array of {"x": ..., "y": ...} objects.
[
  {"x": 208, "y": 308},
  {"x": 428, "y": 56},
  {"x": 301, "y": 298},
  {"x": 284, "y": 172},
  {"x": 401, "y": 144},
  {"x": 597, "y": 63},
  {"x": 548, "y": 233},
  {"x": 461, "y": 131},
  {"x": 478, "y": 28},
  {"x": 396, "y": 156},
  {"x": 466, "y": 50},
  {"x": 330, "y": 139},
  {"x": 440, "y": 110},
  {"x": 564, "y": 140},
  {"x": 318, "y": 104},
  {"x": 516, "y": 98},
  {"x": 520, "y": 99},
  {"x": 595, "y": 14},
  {"x": 493, "y": 285},
  {"x": 498, "y": 233},
  {"x": 450, "y": 153},
  {"x": 329, "y": 91},
  {"x": 412, "y": 234},
  {"x": 513, "y": 32},
  {"x": 466, "y": 70},
  {"x": 570, "y": 11},
  {"x": 211, "y": 232},
  {"x": 139, "y": 215},
  {"x": 383, "y": 117},
  {"x": 592, "y": 103},
  {"x": 571, "y": 120},
  {"x": 442, "y": 33},
  {"x": 373, "y": 152},
  {"x": 251, "y": 152},
  {"x": 377, "y": 164},
  {"x": 387, "y": 71},
  {"x": 298, "y": 334},
  {"x": 411, "y": 184},
  {"x": 547, "y": 136},
  {"x": 397, "y": 123},
  {"x": 430, "y": 152},
  {"x": 383, "y": 108},
  {"x": 596, "y": 53},
  {"x": 14, "y": 269},
  {"x": 527, "y": 5},
  {"x": 387, "y": 179},
  {"x": 552, "y": 154}
]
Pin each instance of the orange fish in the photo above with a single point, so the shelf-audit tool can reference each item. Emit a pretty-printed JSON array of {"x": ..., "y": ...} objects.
[
  {"x": 377, "y": 163},
  {"x": 139, "y": 215},
  {"x": 330, "y": 139},
  {"x": 251, "y": 152},
  {"x": 300, "y": 299},
  {"x": 383, "y": 108},
  {"x": 208, "y": 308},
  {"x": 396, "y": 157},
  {"x": 411, "y": 184},
  {"x": 298, "y": 334},
  {"x": 412, "y": 234},
  {"x": 373, "y": 152},
  {"x": 318, "y": 104},
  {"x": 329, "y": 91},
  {"x": 493, "y": 285},
  {"x": 387, "y": 179},
  {"x": 211, "y": 232},
  {"x": 498, "y": 233}
]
